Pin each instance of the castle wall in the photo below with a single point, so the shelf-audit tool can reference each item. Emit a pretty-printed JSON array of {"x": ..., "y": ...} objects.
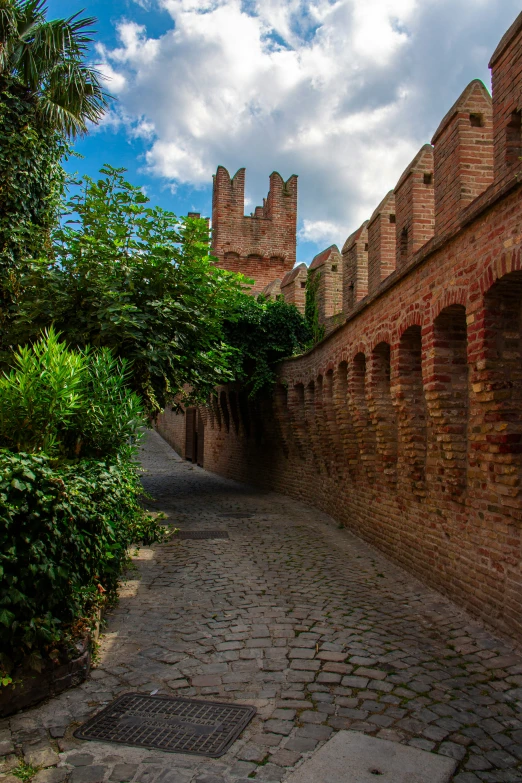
[{"x": 405, "y": 423}]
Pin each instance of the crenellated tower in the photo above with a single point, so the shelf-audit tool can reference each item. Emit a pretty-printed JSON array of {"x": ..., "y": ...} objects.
[{"x": 261, "y": 245}]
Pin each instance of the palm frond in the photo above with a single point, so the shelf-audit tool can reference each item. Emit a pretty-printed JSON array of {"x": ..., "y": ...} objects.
[
  {"x": 48, "y": 57},
  {"x": 74, "y": 96}
]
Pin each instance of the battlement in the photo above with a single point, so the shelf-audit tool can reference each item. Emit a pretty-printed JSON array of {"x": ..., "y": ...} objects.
[
  {"x": 261, "y": 245},
  {"x": 327, "y": 269},
  {"x": 293, "y": 286},
  {"x": 355, "y": 268}
]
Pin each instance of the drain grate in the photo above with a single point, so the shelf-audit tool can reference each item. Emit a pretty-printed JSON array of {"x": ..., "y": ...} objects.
[
  {"x": 201, "y": 728},
  {"x": 194, "y": 534}
]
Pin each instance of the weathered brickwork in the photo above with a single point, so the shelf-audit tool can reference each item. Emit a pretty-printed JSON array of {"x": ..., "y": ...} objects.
[
  {"x": 261, "y": 245},
  {"x": 414, "y": 207},
  {"x": 463, "y": 155},
  {"x": 293, "y": 287},
  {"x": 405, "y": 423},
  {"x": 327, "y": 270},
  {"x": 355, "y": 268},
  {"x": 381, "y": 242}
]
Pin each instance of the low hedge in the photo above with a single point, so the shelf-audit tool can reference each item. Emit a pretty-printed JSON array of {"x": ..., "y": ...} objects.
[{"x": 64, "y": 535}]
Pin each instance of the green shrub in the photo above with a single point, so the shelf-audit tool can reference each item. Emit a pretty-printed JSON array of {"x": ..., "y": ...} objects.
[
  {"x": 263, "y": 332},
  {"x": 64, "y": 536},
  {"x": 67, "y": 403},
  {"x": 69, "y": 494}
]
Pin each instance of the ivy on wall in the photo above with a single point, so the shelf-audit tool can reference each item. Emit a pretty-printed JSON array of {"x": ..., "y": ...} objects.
[
  {"x": 311, "y": 308},
  {"x": 32, "y": 182}
]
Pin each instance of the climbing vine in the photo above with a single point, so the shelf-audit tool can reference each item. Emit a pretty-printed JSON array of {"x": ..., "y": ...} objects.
[
  {"x": 31, "y": 183},
  {"x": 311, "y": 308}
]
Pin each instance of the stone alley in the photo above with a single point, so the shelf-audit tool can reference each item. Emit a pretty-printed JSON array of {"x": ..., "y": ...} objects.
[{"x": 295, "y": 616}]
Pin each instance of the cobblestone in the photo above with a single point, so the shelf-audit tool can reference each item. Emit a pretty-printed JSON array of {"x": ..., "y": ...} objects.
[{"x": 291, "y": 615}]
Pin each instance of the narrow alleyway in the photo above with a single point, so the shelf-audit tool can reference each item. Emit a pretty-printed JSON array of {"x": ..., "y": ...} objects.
[{"x": 295, "y": 616}]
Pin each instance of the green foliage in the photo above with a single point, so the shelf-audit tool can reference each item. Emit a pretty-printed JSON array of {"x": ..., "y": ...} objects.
[
  {"x": 31, "y": 183},
  {"x": 67, "y": 403},
  {"x": 311, "y": 309},
  {"x": 48, "y": 57},
  {"x": 137, "y": 280},
  {"x": 24, "y": 771},
  {"x": 264, "y": 332},
  {"x": 64, "y": 534}
]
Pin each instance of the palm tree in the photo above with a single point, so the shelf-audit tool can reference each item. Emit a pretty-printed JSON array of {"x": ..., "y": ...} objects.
[{"x": 48, "y": 58}]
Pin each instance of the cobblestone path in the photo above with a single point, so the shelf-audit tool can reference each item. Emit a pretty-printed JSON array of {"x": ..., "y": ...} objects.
[{"x": 295, "y": 616}]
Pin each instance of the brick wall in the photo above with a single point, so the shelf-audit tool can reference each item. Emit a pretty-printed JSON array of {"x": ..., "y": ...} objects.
[
  {"x": 405, "y": 423},
  {"x": 261, "y": 245},
  {"x": 463, "y": 154},
  {"x": 355, "y": 268},
  {"x": 327, "y": 269},
  {"x": 381, "y": 242}
]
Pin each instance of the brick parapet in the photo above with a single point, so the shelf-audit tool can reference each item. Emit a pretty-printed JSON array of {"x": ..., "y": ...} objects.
[
  {"x": 463, "y": 155},
  {"x": 381, "y": 242},
  {"x": 293, "y": 287},
  {"x": 355, "y": 268},
  {"x": 506, "y": 77},
  {"x": 327, "y": 269},
  {"x": 414, "y": 207}
]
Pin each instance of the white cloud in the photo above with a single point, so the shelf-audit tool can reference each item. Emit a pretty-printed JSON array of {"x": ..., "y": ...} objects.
[
  {"x": 318, "y": 231},
  {"x": 341, "y": 92}
]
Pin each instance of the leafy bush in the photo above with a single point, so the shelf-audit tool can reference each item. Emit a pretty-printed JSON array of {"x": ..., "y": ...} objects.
[
  {"x": 67, "y": 403},
  {"x": 263, "y": 333},
  {"x": 65, "y": 523},
  {"x": 64, "y": 534}
]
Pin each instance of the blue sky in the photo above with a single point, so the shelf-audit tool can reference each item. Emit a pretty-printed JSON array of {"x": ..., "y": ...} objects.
[{"x": 341, "y": 92}]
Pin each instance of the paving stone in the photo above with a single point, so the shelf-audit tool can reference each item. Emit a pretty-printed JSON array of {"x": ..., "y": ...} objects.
[
  {"x": 92, "y": 774},
  {"x": 314, "y": 732},
  {"x": 80, "y": 759},
  {"x": 50, "y": 775},
  {"x": 301, "y": 744},
  {"x": 270, "y": 773},
  {"x": 350, "y": 756},
  {"x": 252, "y": 753},
  {"x": 453, "y": 750},
  {"x": 123, "y": 772},
  {"x": 41, "y": 757},
  {"x": 285, "y": 758},
  {"x": 279, "y": 726}
]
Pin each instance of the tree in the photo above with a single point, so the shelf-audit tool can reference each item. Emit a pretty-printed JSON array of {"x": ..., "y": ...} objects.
[
  {"x": 47, "y": 57},
  {"x": 137, "y": 280}
]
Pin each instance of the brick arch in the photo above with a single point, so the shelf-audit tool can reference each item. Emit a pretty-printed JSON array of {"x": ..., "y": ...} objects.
[
  {"x": 451, "y": 296},
  {"x": 499, "y": 267},
  {"x": 414, "y": 318},
  {"x": 233, "y": 249},
  {"x": 276, "y": 252},
  {"x": 382, "y": 336},
  {"x": 358, "y": 348}
]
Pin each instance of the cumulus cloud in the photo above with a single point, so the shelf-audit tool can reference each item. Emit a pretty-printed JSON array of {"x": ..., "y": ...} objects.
[{"x": 341, "y": 92}]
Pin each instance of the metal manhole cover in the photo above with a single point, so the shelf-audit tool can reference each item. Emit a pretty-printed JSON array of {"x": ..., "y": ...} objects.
[
  {"x": 196, "y": 534},
  {"x": 202, "y": 728}
]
